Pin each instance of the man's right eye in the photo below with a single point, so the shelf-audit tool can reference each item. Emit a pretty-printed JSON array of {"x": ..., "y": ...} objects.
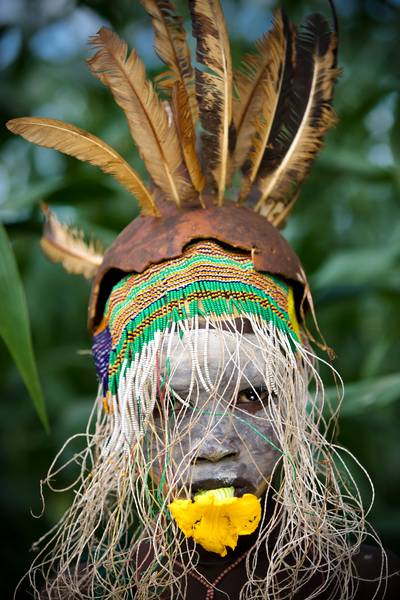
[{"x": 252, "y": 396}]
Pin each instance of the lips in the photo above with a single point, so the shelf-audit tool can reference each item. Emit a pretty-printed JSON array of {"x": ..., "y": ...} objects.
[{"x": 241, "y": 485}]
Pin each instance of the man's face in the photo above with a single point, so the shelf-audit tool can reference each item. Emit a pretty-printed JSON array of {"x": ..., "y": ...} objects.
[{"x": 214, "y": 428}]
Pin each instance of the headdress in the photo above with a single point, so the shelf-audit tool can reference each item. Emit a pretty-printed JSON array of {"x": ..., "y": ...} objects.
[
  {"x": 205, "y": 255},
  {"x": 263, "y": 122}
]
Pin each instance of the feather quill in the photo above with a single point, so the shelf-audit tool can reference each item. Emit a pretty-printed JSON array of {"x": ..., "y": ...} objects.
[
  {"x": 67, "y": 246},
  {"x": 292, "y": 147},
  {"x": 155, "y": 137},
  {"x": 266, "y": 102},
  {"x": 76, "y": 142},
  {"x": 186, "y": 133},
  {"x": 172, "y": 48},
  {"x": 214, "y": 88}
]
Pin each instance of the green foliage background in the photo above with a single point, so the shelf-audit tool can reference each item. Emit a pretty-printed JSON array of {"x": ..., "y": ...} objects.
[{"x": 346, "y": 228}]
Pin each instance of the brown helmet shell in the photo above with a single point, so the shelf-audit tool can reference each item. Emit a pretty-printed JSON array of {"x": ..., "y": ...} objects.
[{"x": 150, "y": 240}]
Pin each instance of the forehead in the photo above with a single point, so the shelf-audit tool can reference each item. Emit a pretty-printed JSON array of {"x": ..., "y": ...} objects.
[{"x": 216, "y": 355}]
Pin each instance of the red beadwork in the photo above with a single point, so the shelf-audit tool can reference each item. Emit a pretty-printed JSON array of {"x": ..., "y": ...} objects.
[{"x": 210, "y": 586}]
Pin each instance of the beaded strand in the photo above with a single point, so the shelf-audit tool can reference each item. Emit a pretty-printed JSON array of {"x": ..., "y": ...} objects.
[{"x": 211, "y": 585}]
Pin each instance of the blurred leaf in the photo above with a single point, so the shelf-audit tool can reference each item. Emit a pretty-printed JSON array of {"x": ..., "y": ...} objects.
[
  {"x": 367, "y": 395},
  {"x": 348, "y": 162},
  {"x": 14, "y": 324},
  {"x": 31, "y": 196},
  {"x": 395, "y": 139},
  {"x": 395, "y": 130},
  {"x": 59, "y": 189},
  {"x": 375, "y": 360},
  {"x": 375, "y": 266}
]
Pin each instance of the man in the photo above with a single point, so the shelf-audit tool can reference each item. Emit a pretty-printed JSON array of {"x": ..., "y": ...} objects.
[{"x": 207, "y": 471}]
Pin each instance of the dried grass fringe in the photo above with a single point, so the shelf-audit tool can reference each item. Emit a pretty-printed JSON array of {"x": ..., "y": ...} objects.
[{"x": 318, "y": 510}]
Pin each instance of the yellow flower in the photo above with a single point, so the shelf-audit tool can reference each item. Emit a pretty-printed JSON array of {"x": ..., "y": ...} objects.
[{"x": 216, "y": 518}]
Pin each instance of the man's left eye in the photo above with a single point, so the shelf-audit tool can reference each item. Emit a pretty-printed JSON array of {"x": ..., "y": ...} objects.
[{"x": 252, "y": 395}]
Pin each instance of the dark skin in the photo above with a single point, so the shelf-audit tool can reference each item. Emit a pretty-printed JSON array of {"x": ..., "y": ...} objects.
[
  {"x": 217, "y": 571},
  {"x": 227, "y": 452},
  {"x": 227, "y": 437}
]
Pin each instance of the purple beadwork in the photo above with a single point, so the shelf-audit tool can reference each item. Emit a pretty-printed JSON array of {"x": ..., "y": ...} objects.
[{"x": 101, "y": 349}]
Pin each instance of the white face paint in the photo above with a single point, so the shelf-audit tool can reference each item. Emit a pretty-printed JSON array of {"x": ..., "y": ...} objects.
[{"x": 213, "y": 426}]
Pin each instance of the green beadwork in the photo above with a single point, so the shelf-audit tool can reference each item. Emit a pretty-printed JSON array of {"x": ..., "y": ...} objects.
[{"x": 207, "y": 281}]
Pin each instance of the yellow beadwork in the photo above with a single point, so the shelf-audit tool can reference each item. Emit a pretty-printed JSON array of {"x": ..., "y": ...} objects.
[{"x": 291, "y": 309}]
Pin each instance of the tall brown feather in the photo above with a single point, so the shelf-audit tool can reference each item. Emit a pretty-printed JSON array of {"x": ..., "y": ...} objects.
[
  {"x": 156, "y": 139},
  {"x": 67, "y": 246},
  {"x": 172, "y": 48},
  {"x": 270, "y": 98},
  {"x": 289, "y": 155},
  {"x": 186, "y": 133},
  {"x": 76, "y": 142},
  {"x": 213, "y": 88},
  {"x": 258, "y": 81}
]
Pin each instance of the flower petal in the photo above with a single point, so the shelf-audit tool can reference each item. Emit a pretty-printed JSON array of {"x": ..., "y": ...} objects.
[
  {"x": 216, "y": 518},
  {"x": 185, "y": 513},
  {"x": 245, "y": 514},
  {"x": 214, "y": 533}
]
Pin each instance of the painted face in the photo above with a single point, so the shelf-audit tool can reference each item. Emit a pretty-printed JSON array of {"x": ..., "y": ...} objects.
[{"x": 212, "y": 423}]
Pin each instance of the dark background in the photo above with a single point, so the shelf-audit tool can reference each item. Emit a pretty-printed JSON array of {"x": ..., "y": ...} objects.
[{"x": 346, "y": 229}]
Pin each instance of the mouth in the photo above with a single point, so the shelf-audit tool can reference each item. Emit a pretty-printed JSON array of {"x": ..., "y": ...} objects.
[{"x": 242, "y": 486}]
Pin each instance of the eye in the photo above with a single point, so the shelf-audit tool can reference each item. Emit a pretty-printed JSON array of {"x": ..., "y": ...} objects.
[{"x": 252, "y": 396}]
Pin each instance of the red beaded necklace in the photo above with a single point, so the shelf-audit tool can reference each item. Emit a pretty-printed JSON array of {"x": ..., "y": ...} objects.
[{"x": 211, "y": 585}]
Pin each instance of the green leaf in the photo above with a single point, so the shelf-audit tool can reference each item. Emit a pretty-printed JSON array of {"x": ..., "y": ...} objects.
[
  {"x": 364, "y": 396},
  {"x": 347, "y": 162},
  {"x": 395, "y": 139},
  {"x": 31, "y": 196},
  {"x": 14, "y": 324},
  {"x": 395, "y": 130},
  {"x": 361, "y": 266}
]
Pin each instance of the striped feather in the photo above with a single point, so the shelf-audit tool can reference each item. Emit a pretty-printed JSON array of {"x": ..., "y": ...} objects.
[
  {"x": 155, "y": 137},
  {"x": 274, "y": 84},
  {"x": 186, "y": 132},
  {"x": 213, "y": 89},
  {"x": 76, "y": 142},
  {"x": 292, "y": 147},
  {"x": 67, "y": 246},
  {"x": 257, "y": 82},
  {"x": 172, "y": 48}
]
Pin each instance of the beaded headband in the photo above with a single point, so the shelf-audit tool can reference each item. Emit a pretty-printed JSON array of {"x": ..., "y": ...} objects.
[{"x": 207, "y": 280}]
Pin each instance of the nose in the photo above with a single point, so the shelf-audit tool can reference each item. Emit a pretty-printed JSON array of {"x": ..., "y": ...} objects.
[
  {"x": 218, "y": 444},
  {"x": 212, "y": 454}
]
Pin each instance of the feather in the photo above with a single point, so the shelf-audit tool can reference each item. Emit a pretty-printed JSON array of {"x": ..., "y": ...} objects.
[
  {"x": 76, "y": 142},
  {"x": 67, "y": 246},
  {"x": 258, "y": 82},
  {"x": 172, "y": 48},
  {"x": 291, "y": 149},
  {"x": 268, "y": 98},
  {"x": 213, "y": 88},
  {"x": 186, "y": 133},
  {"x": 156, "y": 139}
]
